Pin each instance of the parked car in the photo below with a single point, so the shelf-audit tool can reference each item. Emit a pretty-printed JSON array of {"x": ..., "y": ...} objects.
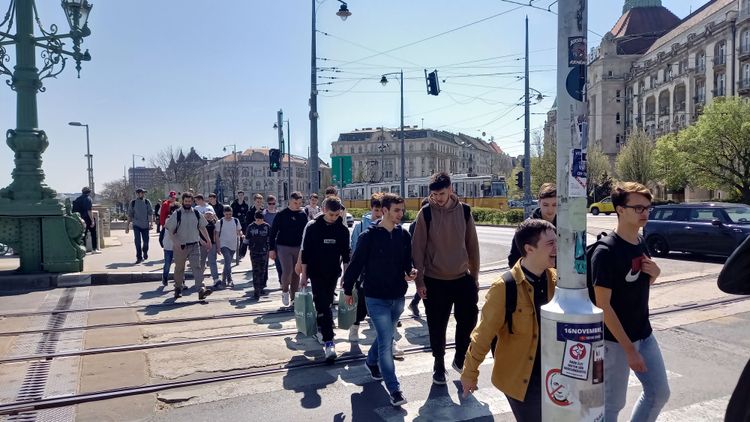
[
  {"x": 702, "y": 228},
  {"x": 349, "y": 220},
  {"x": 605, "y": 206}
]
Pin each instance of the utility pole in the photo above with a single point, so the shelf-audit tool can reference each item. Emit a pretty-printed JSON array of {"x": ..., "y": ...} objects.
[
  {"x": 312, "y": 161},
  {"x": 527, "y": 200},
  {"x": 571, "y": 326},
  {"x": 280, "y": 124}
]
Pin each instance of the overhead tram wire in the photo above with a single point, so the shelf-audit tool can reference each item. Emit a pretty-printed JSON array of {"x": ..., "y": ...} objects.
[{"x": 547, "y": 9}]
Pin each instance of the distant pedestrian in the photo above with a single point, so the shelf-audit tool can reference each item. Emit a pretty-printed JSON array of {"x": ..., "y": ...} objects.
[
  {"x": 228, "y": 236},
  {"x": 213, "y": 201},
  {"x": 186, "y": 226},
  {"x": 622, "y": 273},
  {"x": 168, "y": 250},
  {"x": 209, "y": 254},
  {"x": 445, "y": 249},
  {"x": 368, "y": 220},
  {"x": 141, "y": 215},
  {"x": 157, "y": 220},
  {"x": 312, "y": 209},
  {"x": 85, "y": 207},
  {"x": 257, "y": 237},
  {"x": 257, "y": 206},
  {"x": 240, "y": 209},
  {"x": 201, "y": 205},
  {"x": 414, "y": 304},
  {"x": 547, "y": 210},
  {"x": 269, "y": 214},
  {"x": 285, "y": 241},
  {"x": 164, "y": 212},
  {"x": 326, "y": 247},
  {"x": 383, "y": 261}
]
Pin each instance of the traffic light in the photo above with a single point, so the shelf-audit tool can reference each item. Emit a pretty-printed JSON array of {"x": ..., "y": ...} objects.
[
  {"x": 274, "y": 156},
  {"x": 433, "y": 85},
  {"x": 519, "y": 180}
]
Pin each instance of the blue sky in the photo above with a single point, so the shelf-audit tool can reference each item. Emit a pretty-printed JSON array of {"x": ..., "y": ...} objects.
[{"x": 206, "y": 74}]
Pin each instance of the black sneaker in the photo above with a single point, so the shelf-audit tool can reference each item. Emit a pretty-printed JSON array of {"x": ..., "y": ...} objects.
[
  {"x": 438, "y": 372},
  {"x": 374, "y": 372},
  {"x": 138, "y": 261},
  {"x": 177, "y": 294},
  {"x": 459, "y": 367},
  {"x": 164, "y": 282},
  {"x": 414, "y": 308},
  {"x": 397, "y": 399},
  {"x": 203, "y": 293},
  {"x": 145, "y": 255},
  {"x": 399, "y": 324}
]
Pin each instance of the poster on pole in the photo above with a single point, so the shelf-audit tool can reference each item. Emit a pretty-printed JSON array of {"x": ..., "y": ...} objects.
[{"x": 577, "y": 185}]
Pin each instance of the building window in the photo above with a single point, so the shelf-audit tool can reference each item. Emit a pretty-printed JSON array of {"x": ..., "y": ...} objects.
[
  {"x": 617, "y": 118},
  {"x": 721, "y": 84},
  {"x": 700, "y": 61},
  {"x": 745, "y": 42},
  {"x": 618, "y": 139},
  {"x": 668, "y": 73},
  {"x": 720, "y": 52},
  {"x": 745, "y": 75},
  {"x": 618, "y": 95},
  {"x": 700, "y": 91}
]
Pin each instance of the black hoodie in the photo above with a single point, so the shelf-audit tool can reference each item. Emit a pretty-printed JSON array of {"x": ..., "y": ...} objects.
[
  {"x": 382, "y": 258},
  {"x": 515, "y": 253},
  {"x": 326, "y": 246}
]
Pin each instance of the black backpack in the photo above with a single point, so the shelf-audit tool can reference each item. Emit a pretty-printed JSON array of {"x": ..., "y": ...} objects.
[
  {"x": 179, "y": 219},
  {"x": 77, "y": 206},
  {"x": 427, "y": 214}
]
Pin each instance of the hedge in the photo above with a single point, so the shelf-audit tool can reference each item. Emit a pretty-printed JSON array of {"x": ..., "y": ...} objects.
[{"x": 481, "y": 215}]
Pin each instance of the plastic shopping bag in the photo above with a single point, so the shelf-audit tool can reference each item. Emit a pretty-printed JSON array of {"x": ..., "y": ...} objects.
[
  {"x": 304, "y": 313},
  {"x": 347, "y": 314}
]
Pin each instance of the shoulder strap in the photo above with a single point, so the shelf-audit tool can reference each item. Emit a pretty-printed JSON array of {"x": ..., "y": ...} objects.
[
  {"x": 179, "y": 220},
  {"x": 197, "y": 217},
  {"x": 132, "y": 204},
  {"x": 236, "y": 222},
  {"x": 511, "y": 299},
  {"x": 427, "y": 215},
  {"x": 467, "y": 211}
]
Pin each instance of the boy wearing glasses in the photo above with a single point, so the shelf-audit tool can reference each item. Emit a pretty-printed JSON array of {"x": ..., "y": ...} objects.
[{"x": 623, "y": 273}]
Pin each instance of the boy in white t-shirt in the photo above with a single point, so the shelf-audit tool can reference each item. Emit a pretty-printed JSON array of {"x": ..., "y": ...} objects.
[
  {"x": 168, "y": 250},
  {"x": 228, "y": 234}
]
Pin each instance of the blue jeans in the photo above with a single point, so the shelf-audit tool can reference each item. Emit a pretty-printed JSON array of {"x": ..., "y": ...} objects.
[
  {"x": 616, "y": 372},
  {"x": 384, "y": 314},
  {"x": 141, "y": 241},
  {"x": 226, "y": 274},
  {"x": 168, "y": 258},
  {"x": 210, "y": 255}
]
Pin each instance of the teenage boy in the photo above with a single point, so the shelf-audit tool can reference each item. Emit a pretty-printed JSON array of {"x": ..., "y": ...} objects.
[
  {"x": 240, "y": 209},
  {"x": 227, "y": 237},
  {"x": 414, "y": 304},
  {"x": 257, "y": 237},
  {"x": 622, "y": 273},
  {"x": 517, "y": 369},
  {"x": 168, "y": 245},
  {"x": 383, "y": 261},
  {"x": 201, "y": 205},
  {"x": 445, "y": 249},
  {"x": 164, "y": 213},
  {"x": 547, "y": 211},
  {"x": 257, "y": 206},
  {"x": 368, "y": 220},
  {"x": 312, "y": 209},
  {"x": 326, "y": 246},
  {"x": 269, "y": 214},
  {"x": 216, "y": 205},
  {"x": 141, "y": 215},
  {"x": 285, "y": 240},
  {"x": 209, "y": 254}
]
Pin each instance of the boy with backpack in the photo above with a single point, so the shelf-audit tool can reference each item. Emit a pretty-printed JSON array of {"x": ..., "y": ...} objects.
[
  {"x": 512, "y": 313},
  {"x": 257, "y": 239},
  {"x": 168, "y": 245},
  {"x": 141, "y": 215},
  {"x": 227, "y": 237},
  {"x": 622, "y": 274}
]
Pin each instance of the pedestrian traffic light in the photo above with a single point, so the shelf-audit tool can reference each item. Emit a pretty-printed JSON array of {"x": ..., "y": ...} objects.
[
  {"x": 433, "y": 85},
  {"x": 519, "y": 180},
  {"x": 274, "y": 156}
]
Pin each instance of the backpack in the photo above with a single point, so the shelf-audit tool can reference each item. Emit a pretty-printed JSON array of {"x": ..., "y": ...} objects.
[
  {"x": 427, "y": 214},
  {"x": 77, "y": 206},
  {"x": 179, "y": 219},
  {"x": 221, "y": 223},
  {"x": 148, "y": 203}
]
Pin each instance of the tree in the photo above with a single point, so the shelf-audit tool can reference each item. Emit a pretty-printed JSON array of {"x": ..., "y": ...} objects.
[
  {"x": 181, "y": 172},
  {"x": 598, "y": 168},
  {"x": 634, "y": 162},
  {"x": 544, "y": 166},
  {"x": 669, "y": 163},
  {"x": 715, "y": 152},
  {"x": 117, "y": 193},
  {"x": 513, "y": 191}
]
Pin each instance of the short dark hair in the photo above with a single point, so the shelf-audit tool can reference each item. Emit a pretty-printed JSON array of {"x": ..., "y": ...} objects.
[
  {"x": 390, "y": 199},
  {"x": 212, "y": 195},
  {"x": 295, "y": 195},
  {"x": 547, "y": 190},
  {"x": 622, "y": 191},
  {"x": 240, "y": 192},
  {"x": 187, "y": 195},
  {"x": 331, "y": 190},
  {"x": 314, "y": 195},
  {"x": 227, "y": 208},
  {"x": 199, "y": 196},
  {"x": 332, "y": 203},
  {"x": 270, "y": 198},
  {"x": 440, "y": 181},
  {"x": 376, "y": 200},
  {"x": 529, "y": 231},
  {"x": 258, "y": 214}
]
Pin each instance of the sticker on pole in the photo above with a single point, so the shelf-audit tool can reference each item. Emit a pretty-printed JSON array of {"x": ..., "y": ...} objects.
[
  {"x": 577, "y": 51},
  {"x": 584, "y": 333},
  {"x": 577, "y": 182},
  {"x": 558, "y": 391},
  {"x": 598, "y": 376},
  {"x": 576, "y": 360}
]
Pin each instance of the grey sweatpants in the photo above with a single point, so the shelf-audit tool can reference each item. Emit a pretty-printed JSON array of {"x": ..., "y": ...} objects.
[
  {"x": 289, "y": 279},
  {"x": 190, "y": 253}
]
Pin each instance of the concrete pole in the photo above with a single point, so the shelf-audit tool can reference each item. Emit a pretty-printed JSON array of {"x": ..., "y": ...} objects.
[
  {"x": 313, "y": 162},
  {"x": 527, "y": 204},
  {"x": 289, "y": 189},
  {"x": 280, "y": 126},
  {"x": 571, "y": 327},
  {"x": 90, "y": 162}
]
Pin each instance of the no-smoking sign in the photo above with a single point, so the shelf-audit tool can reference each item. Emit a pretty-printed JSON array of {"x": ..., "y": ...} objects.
[
  {"x": 576, "y": 360},
  {"x": 577, "y": 351}
]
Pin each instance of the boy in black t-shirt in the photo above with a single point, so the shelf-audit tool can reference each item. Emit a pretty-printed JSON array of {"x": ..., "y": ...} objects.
[
  {"x": 622, "y": 276},
  {"x": 257, "y": 239}
]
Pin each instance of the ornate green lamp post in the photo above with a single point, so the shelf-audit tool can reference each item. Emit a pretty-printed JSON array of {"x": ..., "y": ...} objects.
[{"x": 43, "y": 231}]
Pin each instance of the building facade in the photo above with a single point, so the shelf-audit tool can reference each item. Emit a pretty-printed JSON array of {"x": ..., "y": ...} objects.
[
  {"x": 376, "y": 154},
  {"x": 145, "y": 177}
]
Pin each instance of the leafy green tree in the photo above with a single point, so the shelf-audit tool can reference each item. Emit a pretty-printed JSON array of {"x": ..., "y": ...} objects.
[
  {"x": 544, "y": 167},
  {"x": 513, "y": 191},
  {"x": 634, "y": 162},
  {"x": 597, "y": 164},
  {"x": 669, "y": 163}
]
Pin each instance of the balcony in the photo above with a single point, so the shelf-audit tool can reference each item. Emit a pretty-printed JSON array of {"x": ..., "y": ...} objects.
[
  {"x": 744, "y": 15},
  {"x": 744, "y": 88},
  {"x": 720, "y": 61},
  {"x": 744, "y": 53}
]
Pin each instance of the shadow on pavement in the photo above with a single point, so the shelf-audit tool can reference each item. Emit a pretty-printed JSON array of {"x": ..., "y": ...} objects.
[
  {"x": 440, "y": 405},
  {"x": 418, "y": 335},
  {"x": 116, "y": 265},
  {"x": 151, "y": 294},
  {"x": 278, "y": 319},
  {"x": 691, "y": 257},
  {"x": 302, "y": 381}
]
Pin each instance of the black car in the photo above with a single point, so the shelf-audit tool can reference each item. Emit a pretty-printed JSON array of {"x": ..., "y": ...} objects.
[{"x": 713, "y": 228}]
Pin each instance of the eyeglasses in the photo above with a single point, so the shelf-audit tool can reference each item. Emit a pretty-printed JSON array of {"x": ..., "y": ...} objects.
[
  {"x": 639, "y": 209},
  {"x": 271, "y": 203}
]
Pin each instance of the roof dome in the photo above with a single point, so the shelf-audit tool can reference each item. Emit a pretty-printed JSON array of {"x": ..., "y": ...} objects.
[
  {"x": 632, "y": 4},
  {"x": 641, "y": 24}
]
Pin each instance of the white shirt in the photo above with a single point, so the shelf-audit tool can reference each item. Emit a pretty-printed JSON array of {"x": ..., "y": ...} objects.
[
  {"x": 228, "y": 235},
  {"x": 203, "y": 208},
  {"x": 168, "y": 243}
]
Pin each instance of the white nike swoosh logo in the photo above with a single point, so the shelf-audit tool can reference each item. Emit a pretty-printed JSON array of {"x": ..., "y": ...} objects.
[{"x": 630, "y": 278}]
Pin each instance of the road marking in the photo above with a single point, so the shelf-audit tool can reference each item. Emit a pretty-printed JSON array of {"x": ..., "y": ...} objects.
[
  {"x": 709, "y": 410},
  {"x": 481, "y": 404}
]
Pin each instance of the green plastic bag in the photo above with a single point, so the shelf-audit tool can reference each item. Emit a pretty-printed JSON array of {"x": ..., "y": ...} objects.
[
  {"x": 304, "y": 313},
  {"x": 347, "y": 315}
]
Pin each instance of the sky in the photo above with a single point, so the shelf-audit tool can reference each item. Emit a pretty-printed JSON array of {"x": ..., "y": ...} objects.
[{"x": 188, "y": 73}]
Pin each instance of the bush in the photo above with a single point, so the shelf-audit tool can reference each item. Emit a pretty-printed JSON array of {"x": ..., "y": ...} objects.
[
  {"x": 495, "y": 216},
  {"x": 357, "y": 213}
]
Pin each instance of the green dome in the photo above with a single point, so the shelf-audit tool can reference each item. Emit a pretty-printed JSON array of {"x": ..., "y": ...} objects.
[{"x": 632, "y": 4}]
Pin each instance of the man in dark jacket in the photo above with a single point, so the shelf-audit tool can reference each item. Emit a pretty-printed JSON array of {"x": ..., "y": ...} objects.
[
  {"x": 383, "y": 259},
  {"x": 84, "y": 206},
  {"x": 240, "y": 210},
  {"x": 326, "y": 245},
  {"x": 547, "y": 211}
]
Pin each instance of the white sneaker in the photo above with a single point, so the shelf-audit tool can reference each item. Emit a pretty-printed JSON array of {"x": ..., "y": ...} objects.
[
  {"x": 285, "y": 298},
  {"x": 330, "y": 351},
  {"x": 396, "y": 350},
  {"x": 96, "y": 252},
  {"x": 319, "y": 338},
  {"x": 354, "y": 333}
]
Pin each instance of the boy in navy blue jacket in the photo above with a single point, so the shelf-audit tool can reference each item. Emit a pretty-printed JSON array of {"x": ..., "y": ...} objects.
[{"x": 383, "y": 259}]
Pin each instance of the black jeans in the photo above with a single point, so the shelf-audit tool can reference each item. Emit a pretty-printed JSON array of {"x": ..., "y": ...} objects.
[
  {"x": 323, "y": 289},
  {"x": 361, "y": 304},
  {"x": 161, "y": 236},
  {"x": 442, "y": 295},
  {"x": 529, "y": 410},
  {"x": 260, "y": 270},
  {"x": 141, "y": 241},
  {"x": 94, "y": 237},
  {"x": 243, "y": 247}
]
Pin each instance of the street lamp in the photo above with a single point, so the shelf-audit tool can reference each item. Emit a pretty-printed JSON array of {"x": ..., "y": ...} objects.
[
  {"x": 132, "y": 175},
  {"x": 89, "y": 157},
  {"x": 384, "y": 81},
  {"x": 288, "y": 152},
  {"x": 313, "y": 161},
  {"x": 236, "y": 177},
  {"x": 46, "y": 236}
]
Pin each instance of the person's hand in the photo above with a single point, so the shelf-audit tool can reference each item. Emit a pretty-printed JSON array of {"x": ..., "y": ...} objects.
[
  {"x": 349, "y": 300},
  {"x": 127, "y": 228},
  {"x": 93, "y": 224},
  {"x": 412, "y": 275},
  {"x": 303, "y": 281},
  {"x": 150, "y": 226},
  {"x": 208, "y": 245},
  {"x": 298, "y": 267},
  {"x": 272, "y": 255},
  {"x": 649, "y": 267},
  {"x": 636, "y": 362},
  {"x": 468, "y": 386},
  {"x": 422, "y": 292}
]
